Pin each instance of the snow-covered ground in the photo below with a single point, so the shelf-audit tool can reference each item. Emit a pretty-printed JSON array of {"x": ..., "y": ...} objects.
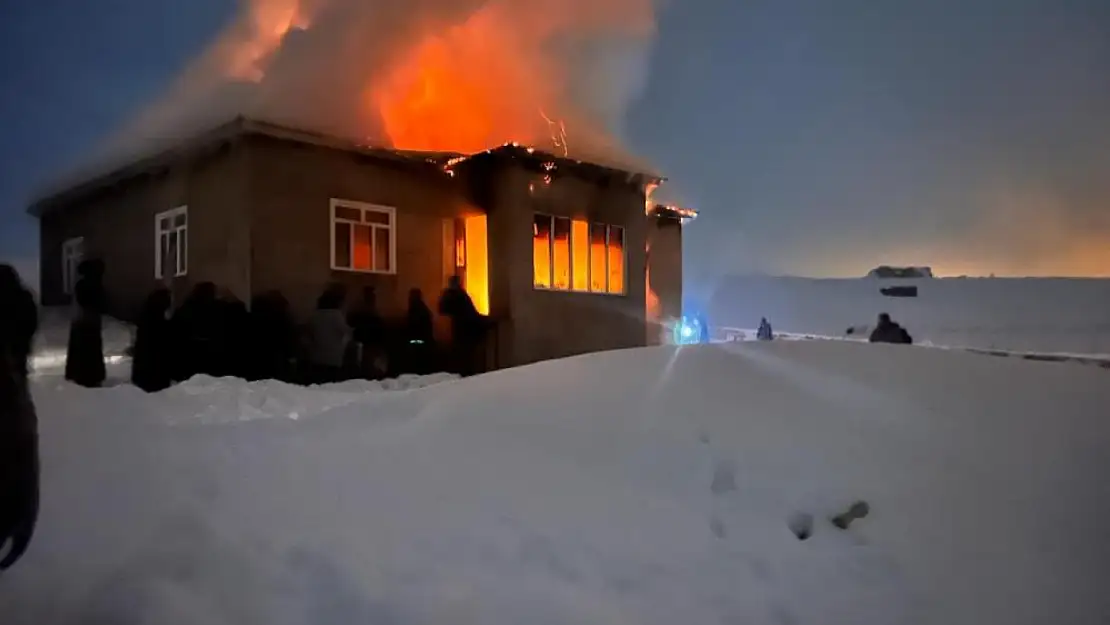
[
  {"x": 658, "y": 485},
  {"x": 1040, "y": 315}
]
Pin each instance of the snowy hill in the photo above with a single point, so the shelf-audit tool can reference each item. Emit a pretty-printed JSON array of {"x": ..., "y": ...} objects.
[
  {"x": 652, "y": 486},
  {"x": 1034, "y": 314}
]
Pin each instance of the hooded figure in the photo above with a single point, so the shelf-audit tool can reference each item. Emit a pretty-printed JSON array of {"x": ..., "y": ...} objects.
[
  {"x": 85, "y": 348},
  {"x": 19, "y": 459},
  {"x": 154, "y": 353},
  {"x": 764, "y": 333},
  {"x": 468, "y": 327},
  {"x": 888, "y": 331}
]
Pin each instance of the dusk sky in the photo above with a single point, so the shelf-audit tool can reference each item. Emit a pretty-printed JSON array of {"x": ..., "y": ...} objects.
[{"x": 817, "y": 137}]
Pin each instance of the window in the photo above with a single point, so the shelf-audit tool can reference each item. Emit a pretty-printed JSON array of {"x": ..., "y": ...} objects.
[
  {"x": 577, "y": 256},
  {"x": 171, "y": 243},
  {"x": 363, "y": 237},
  {"x": 73, "y": 252}
]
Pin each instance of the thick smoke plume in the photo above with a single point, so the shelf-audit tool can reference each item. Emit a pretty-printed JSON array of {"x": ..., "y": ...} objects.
[{"x": 442, "y": 75}]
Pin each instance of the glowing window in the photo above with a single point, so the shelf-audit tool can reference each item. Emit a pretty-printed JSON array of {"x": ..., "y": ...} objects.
[
  {"x": 541, "y": 252},
  {"x": 578, "y": 256},
  {"x": 363, "y": 237},
  {"x": 560, "y": 254},
  {"x": 616, "y": 260}
]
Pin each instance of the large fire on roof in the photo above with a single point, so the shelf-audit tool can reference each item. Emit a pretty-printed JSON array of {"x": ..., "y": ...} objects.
[{"x": 436, "y": 75}]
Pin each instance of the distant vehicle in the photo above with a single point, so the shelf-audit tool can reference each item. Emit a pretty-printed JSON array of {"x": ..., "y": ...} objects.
[{"x": 899, "y": 291}]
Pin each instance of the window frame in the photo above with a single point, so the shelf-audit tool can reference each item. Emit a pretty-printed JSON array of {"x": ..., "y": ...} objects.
[
  {"x": 181, "y": 262},
  {"x": 589, "y": 257},
  {"x": 363, "y": 208},
  {"x": 69, "y": 271}
]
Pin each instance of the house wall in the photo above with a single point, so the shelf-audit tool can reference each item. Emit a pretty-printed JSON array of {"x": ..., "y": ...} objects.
[
  {"x": 664, "y": 273},
  {"x": 539, "y": 324},
  {"x": 291, "y": 187},
  {"x": 118, "y": 226}
]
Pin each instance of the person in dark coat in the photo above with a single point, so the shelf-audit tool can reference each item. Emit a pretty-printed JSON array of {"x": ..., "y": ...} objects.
[
  {"x": 232, "y": 337},
  {"x": 85, "y": 348},
  {"x": 272, "y": 338},
  {"x": 419, "y": 335},
  {"x": 468, "y": 328},
  {"x": 888, "y": 331},
  {"x": 764, "y": 333},
  {"x": 196, "y": 326},
  {"x": 19, "y": 456},
  {"x": 154, "y": 354},
  {"x": 369, "y": 336}
]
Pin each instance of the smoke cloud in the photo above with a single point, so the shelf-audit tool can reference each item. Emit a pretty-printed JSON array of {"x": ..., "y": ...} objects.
[{"x": 451, "y": 75}]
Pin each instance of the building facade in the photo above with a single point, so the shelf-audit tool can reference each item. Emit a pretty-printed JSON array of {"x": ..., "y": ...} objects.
[{"x": 553, "y": 249}]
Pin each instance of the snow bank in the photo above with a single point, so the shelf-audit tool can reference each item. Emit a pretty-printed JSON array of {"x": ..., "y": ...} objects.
[
  {"x": 1034, "y": 315},
  {"x": 647, "y": 486}
]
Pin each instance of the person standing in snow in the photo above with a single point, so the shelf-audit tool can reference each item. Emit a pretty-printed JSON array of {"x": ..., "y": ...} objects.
[
  {"x": 85, "y": 348},
  {"x": 369, "y": 336},
  {"x": 468, "y": 328},
  {"x": 196, "y": 326},
  {"x": 764, "y": 333},
  {"x": 888, "y": 331},
  {"x": 329, "y": 336},
  {"x": 271, "y": 338},
  {"x": 154, "y": 354},
  {"x": 19, "y": 456},
  {"x": 418, "y": 334}
]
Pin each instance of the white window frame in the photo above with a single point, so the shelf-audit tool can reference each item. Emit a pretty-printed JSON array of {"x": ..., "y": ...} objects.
[
  {"x": 73, "y": 252},
  {"x": 181, "y": 267},
  {"x": 589, "y": 257},
  {"x": 363, "y": 208}
]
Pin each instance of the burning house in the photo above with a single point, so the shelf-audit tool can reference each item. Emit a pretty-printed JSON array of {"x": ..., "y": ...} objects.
[{"x": 560, "y": 253}]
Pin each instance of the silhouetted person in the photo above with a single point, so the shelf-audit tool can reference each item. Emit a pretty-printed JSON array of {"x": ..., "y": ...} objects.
[
  {"x": 370, "y": 335},
  {"x": 232, "y": 337},
  {"x": 329, "y": 336},
  {"x": 468, "y": 328},
  {"x": 272, "y": 338},
  {"x": 764, "y": 333},
  {"x": 197, "y": 327},
  {"x": 85, "y": 348},
  {"x": 19, "y": 456},
  {"x": 888, "y": 331},
  {"x": 154, "y": 354},
  {"x": 419, "y": 337}
]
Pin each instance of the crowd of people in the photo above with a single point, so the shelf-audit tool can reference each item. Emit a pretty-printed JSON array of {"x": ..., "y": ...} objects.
[{"x": 214, "y": 333}]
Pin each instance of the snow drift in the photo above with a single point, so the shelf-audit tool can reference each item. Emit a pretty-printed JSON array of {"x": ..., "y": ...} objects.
[{"x": 648, "y": 486}]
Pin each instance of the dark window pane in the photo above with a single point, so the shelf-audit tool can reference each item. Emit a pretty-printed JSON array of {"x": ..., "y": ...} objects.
[
  {"x": 375, "y": 217},
  {"x": 343, "y": 245},
  {"x": 183, "y": 251},
  {"x": 349, "y": 214},
  {"x": 179, "y": 219}
]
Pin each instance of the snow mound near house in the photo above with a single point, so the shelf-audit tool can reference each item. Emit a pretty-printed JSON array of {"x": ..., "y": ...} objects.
[{"x": 649, "y": 486}]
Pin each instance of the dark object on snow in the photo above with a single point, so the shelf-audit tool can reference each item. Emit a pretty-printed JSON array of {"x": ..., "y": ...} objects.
[
  {"x": 154, "y": 354},
  {"x": 468, "y": 328},
  {"x": 858, "y": 510},
  {"x": 764, "y": 333},
  {"x": 899, "y": 291},
  {"x": 85, "y": 348},
  {"x": 888, "y": 331},
  {"x": 801, "y": 525},
  {"x": 886, "y": 271},
  {"x": 19, "y": 459}
]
